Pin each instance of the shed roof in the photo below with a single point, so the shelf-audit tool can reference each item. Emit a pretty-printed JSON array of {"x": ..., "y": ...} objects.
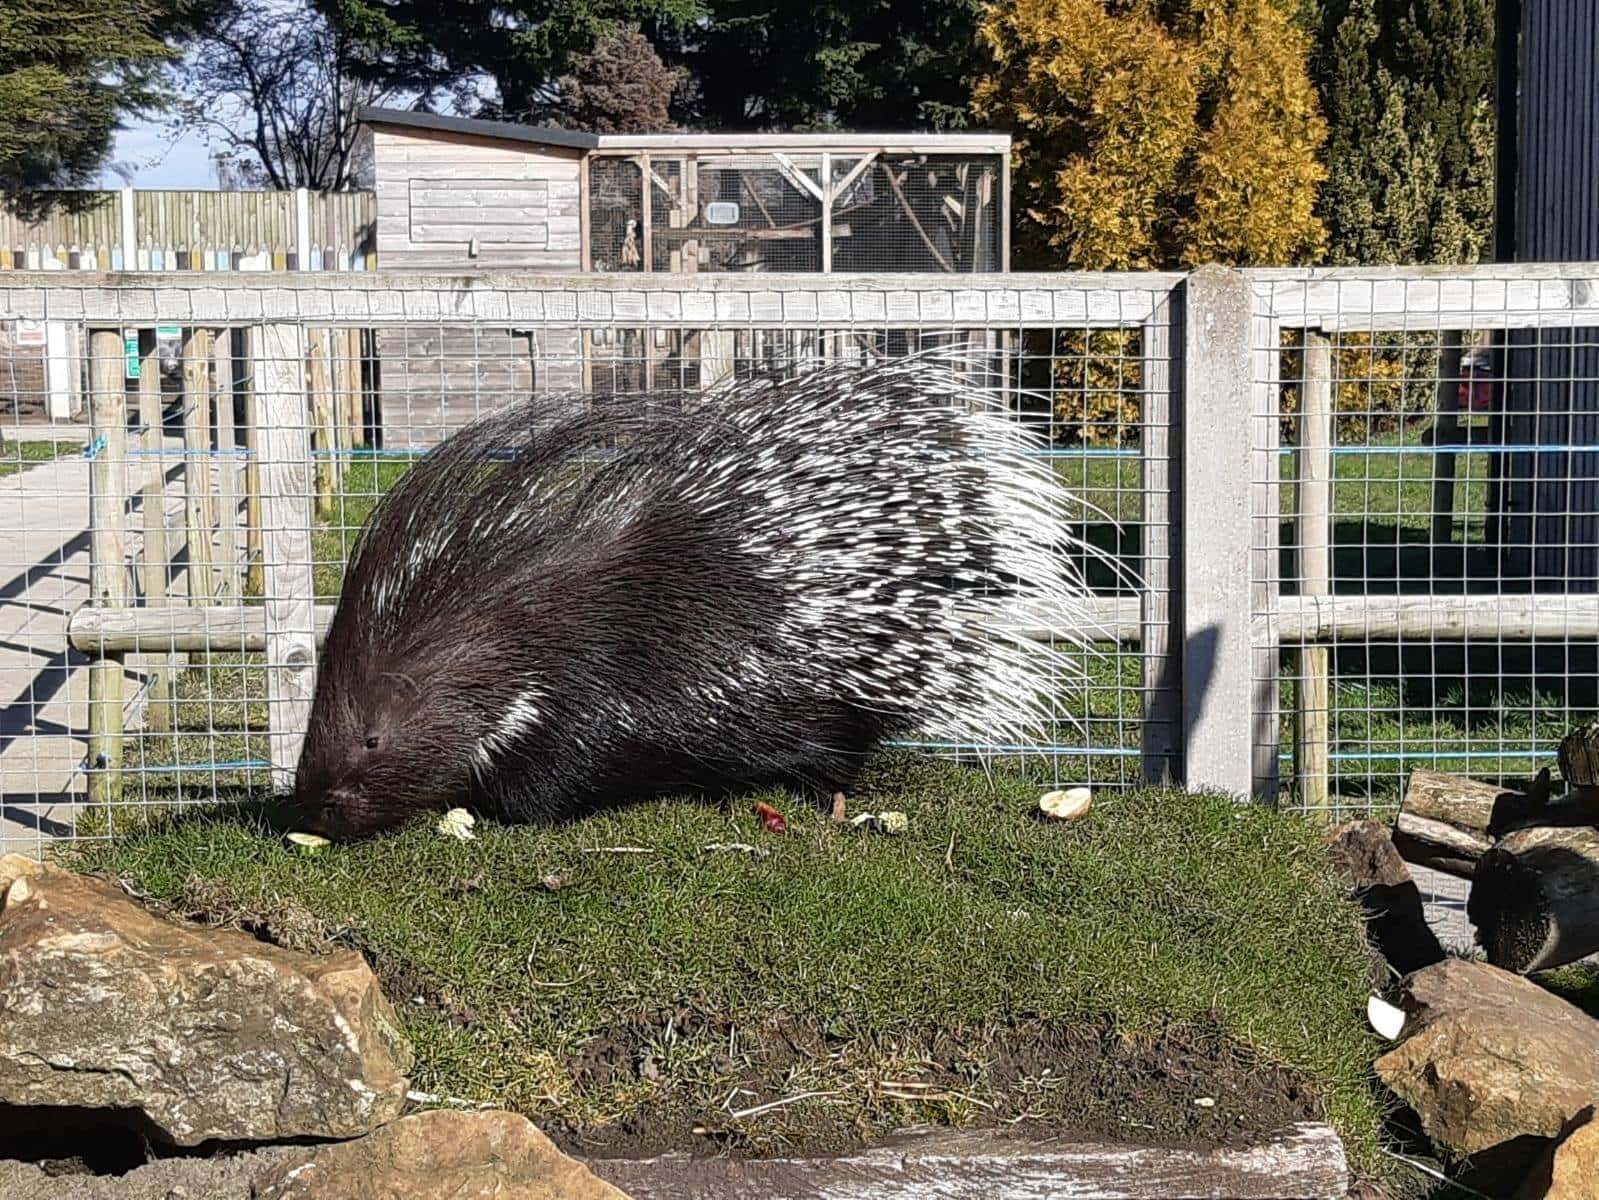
[
  {"x": 509, "y": 130},
  {"x": 933, "y": 143}
]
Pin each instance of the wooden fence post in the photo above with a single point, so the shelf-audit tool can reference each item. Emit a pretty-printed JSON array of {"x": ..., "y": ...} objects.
[
  {"x": 1313, "y": 543},
  {"x": 1446, "y": 432},
  {"x": 227, "y": 473},
  {"x": 324, "y": 442},
  {"x": 108, "y": 579},
  {"x": 254, "y": 576},
  {"x": 1228, "y": 722},
  {"x": 156, "y": 568},
  {"x": 283, "y": 442},
  {"x": 196, "y": 464}
]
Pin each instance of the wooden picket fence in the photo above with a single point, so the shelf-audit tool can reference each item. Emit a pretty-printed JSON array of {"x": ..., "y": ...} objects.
[{"x": 166, "y": 230}]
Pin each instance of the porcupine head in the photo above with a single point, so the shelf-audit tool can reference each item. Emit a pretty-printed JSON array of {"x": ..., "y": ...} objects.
[{"x": 752, "y": 594}]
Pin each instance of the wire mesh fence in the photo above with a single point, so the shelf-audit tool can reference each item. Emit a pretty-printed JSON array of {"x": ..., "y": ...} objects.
[
  {"x": 1437, "y": 478},
  {"x": 170, "y": 573},
  {"x": 1343, "y": 523}
]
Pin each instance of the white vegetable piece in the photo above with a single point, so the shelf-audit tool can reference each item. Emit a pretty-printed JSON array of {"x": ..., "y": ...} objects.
[
  {"x": 457, "y": 823},
  {"x": 1387, "y": 1019},
  {"x": 1066, "y": 805}
]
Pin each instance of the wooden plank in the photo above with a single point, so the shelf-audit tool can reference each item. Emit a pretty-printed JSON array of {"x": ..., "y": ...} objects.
[
  {"x": 583, "y": 203},
  {"x": 230, "y": 628},
  {"x": 1162, "y": 726},
  {"x": 278, "y": 366},
  {"x": 827, "y": 213},
  {"x": 156, "y": 565},
  {"x": 254, "y": 555},
  {"x": 230, "y": 554},
  {"x": 537, "y": 295},
  {"x": 1445, "y": 432},
  {"x": 1313, "y": 543},
  {"x": 1510, "y": 618},
  {"x": 1218, "y": 535},
  {"x": 500, "y": 223},
  {"x": 197, "y": 464},
  {"x": 647, "y": 215},
  {"x": 1108, "y": 619},
  {"x": 108, "y": 578},
  {"x": 1305, "y": 1161},
  {"x": 242, "y": 628},
  {"x": 347, "y": 386},
  {"x": 323, "y": 442},
  {"x": 479, "y": 193},
  {"x": 528, "y": 237}
]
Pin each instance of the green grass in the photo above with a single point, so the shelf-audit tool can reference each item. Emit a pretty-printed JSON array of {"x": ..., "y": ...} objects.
[
  {"x": 1160, "y": 911},
  {"x": 18, "y": 456},
  {"x": 1578, "y": 983}
]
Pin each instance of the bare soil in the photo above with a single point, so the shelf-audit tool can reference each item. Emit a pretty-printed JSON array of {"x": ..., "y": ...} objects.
[{"x": 1186, "y": 1086}]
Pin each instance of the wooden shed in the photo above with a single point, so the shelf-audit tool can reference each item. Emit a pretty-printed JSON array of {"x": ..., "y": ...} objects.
[{"x": 457, "y": 194}]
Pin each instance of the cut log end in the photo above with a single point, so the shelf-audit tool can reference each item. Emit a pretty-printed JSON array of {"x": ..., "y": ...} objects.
[
  {"x": 1508, "y": 908},
  {"x": 1535, "y": 898}
]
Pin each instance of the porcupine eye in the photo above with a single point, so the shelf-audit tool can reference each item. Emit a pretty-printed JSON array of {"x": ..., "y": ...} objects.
[{"x": 372, "y": 741}]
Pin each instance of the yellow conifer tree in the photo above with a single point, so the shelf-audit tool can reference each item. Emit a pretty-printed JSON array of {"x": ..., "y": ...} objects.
[{"x": 1153, "y": 134}]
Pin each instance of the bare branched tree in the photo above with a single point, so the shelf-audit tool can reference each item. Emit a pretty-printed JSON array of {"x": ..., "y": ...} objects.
[{"x": 274, "y": 86}]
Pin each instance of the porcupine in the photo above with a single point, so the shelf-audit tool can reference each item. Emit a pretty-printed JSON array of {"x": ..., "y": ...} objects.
[{"x": 571, "y": 603}]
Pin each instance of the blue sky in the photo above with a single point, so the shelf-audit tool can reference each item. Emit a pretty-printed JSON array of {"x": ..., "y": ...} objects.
[{"x": 159, "y": 162}]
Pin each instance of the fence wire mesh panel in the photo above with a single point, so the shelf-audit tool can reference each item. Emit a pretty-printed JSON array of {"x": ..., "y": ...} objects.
[
  {"x": 173, "y": 564},
  {"x": 1439, "y": 524}
]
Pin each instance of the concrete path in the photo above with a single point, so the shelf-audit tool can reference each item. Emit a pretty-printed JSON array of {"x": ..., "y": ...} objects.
[{"x": 44, "y": 689}]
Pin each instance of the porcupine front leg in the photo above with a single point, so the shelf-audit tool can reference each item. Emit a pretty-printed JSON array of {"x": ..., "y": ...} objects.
[{"x": 838, "y": 808}]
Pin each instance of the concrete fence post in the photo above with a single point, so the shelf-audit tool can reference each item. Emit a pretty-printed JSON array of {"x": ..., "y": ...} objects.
[
  {"x": 1226, "y": 542},
  {"x": 283, "y": 454}
]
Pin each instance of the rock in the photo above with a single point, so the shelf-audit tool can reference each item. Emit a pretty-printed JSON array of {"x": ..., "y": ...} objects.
[
  {"x": 205, "y": 1033},
  {"x": 1495, "y": 1066},
  {"x": 1571, "y": 1169},
  {"x": 224, "y": 1177},
  {"x": 1380, "y": 883},
  {"x": 438, "y": 1155}
]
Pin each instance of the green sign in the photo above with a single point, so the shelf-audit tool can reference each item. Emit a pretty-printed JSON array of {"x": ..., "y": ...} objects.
[
  {"x": 169, "y": 333},
  {"x": 130, "y": 347}
]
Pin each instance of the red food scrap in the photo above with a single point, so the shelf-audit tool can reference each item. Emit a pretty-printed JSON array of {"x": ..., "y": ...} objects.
[{"x": 770, "y": 817}]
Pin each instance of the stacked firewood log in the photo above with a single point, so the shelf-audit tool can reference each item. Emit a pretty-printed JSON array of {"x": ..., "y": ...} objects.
[{"x": 1532, "y": 856}]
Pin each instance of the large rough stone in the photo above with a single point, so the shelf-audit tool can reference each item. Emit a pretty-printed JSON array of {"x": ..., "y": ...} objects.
[
  {"x": 224, "y": 1177},
  {"x": 1571, "y": 1170},
  {"x": 1493, "y": 1065},
  {"x": 438, "y": 1155},
  {"x": 208, "y": 1033}
]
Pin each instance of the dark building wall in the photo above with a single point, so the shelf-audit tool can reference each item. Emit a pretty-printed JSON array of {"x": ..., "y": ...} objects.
[{"x": 1548, "y": 498}]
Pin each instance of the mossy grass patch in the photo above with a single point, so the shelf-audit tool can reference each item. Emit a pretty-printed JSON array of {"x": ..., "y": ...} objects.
[{"x": 1169, "y": 967}]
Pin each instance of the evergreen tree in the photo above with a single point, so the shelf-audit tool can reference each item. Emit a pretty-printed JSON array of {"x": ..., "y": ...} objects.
[
  {"x": 523, "y": 48},
  {"x": 747, "y": 64},
  {"x": 891, "y": 64},
  {"x": 1407, "y": 86},
  {"x": 1152, "y": 135},
  {"x": 622, "y": 87},
  {"x": 70, "y": 73}
]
